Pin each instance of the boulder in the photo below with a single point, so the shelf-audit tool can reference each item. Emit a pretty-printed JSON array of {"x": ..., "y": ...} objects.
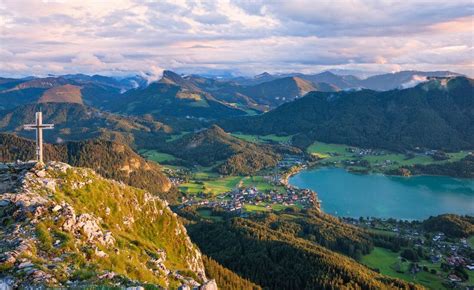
[{"x": 209, "y": 285}]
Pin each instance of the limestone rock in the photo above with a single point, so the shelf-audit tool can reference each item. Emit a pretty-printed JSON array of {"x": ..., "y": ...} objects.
[{"x": 209, "y": 285}]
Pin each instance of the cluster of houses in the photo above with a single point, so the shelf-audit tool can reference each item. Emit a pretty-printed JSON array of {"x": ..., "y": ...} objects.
[
  {"x": 450, "y": 252},
  {"x": 177, "y": 176},
  {"x": 235, "y": 200},
  {"x": 365, "y": 152},
  {"x": 289, "y": 160}
]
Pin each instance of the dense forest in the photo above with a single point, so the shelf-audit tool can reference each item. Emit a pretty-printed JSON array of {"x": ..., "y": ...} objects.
[
  {"x": 233, "y": 155},
  {"x": 276, "y": 253},
  {"x": 451, "y": 225},
  {"x": 225, "y": 278},
  {"x": 463, "y": 168},
  {"x": 109, "y": 159},
  {"x": 435, "y": 115}
]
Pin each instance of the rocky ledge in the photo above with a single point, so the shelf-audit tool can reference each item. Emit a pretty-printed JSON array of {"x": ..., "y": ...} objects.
[{"x": 62, "y": 226}]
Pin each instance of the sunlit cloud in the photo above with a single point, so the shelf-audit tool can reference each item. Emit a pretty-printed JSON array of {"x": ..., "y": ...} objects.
[{"x": 242, "y": 37}]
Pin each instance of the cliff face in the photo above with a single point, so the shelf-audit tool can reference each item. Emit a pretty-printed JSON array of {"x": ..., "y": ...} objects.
[{"x": 66, "y": 226}]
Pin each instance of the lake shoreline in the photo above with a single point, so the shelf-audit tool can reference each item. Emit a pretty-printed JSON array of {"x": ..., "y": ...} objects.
[
  {"x": 352, "y": 194},
  {"x": 375, "y": 172}
]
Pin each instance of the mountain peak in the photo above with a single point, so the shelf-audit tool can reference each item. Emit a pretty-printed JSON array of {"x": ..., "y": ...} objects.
[
  {"x": 263, "y": 75},
  {"x": 328, "y": 74},
  {"x": 171, "y": 74}
]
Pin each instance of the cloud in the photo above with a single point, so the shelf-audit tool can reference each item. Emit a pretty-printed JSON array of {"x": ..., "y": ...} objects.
[
  {"x": 415, "y": 80},
  {"x": 152, "y": 74},
  {"x": 240, "y": 36}
]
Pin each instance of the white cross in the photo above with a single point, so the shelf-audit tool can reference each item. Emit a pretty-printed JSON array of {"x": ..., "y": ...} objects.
[{"x": 39, "y": 126}]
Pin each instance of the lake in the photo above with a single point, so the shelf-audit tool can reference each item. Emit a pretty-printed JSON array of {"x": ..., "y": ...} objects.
[{"x": 353, "y": 195}]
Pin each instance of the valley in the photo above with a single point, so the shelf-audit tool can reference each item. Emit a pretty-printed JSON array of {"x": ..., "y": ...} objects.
[
  {"x": 237, "y": 145},
  {"x": 283, "y": 184}
]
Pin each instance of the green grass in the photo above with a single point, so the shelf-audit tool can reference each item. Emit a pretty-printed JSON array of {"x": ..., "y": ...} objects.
[
  {"x": 207, "y": 214},
  {"x": 255, "y": 208},
  {"x": 260, "y": 183},
  {"x": 215, "y": 184},
  {"x": 176, "y": 136},
  {"x": 262, "y": 207},
  {"x": 150, "y": 232},
  {"x": 263, "y": 138},
  {"x": 325, "y": 148},
  {"x": 470, "y": 241},
  {"x": 210, "y": 186},
  {"x": 386, "y": 261},
  {"x": 156, "y": 156},
  {"x": 335, "y": 153}
]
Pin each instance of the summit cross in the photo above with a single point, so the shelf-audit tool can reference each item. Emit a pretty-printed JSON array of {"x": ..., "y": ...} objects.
[{"x": 39, "y": 126}]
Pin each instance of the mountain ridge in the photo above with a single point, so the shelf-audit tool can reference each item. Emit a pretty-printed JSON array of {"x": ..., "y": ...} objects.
[
  {"x": 78, "y": 228},
  {"x": 422, "y": 116}
]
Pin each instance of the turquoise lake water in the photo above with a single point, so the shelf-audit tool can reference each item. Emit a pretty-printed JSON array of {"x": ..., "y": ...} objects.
[{"x": 347, "y": 194}]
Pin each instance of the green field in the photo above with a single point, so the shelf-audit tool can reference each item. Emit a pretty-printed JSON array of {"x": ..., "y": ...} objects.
[
  {"x": 260, "y": 183},
  {"x": 207, "y": 214},
  {"x": 176, "y": 136},
  {"x": 214, "y": 184},
  {"x": 262, "y": 139},
  {"x": 470, "y": 241},
  {"x": 387, "y": 262},
  {"x": 262, "y": 207},
  {"x": 156, "y": 156},
  {"x": 335, "y": 153},
  {"x": 382, "y": 232}
]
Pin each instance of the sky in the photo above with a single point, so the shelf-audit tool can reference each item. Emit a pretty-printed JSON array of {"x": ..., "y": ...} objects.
[{"x": 124, "y": 37}]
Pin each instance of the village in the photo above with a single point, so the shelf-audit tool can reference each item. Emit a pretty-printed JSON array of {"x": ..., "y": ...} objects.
[
  {"x": 278, "y": 195},
  {"x": 449, "y": 258},
  {"x": 235, "y": 200}
]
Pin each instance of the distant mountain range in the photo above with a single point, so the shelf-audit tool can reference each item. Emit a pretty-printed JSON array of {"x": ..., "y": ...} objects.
[
  {"x": 425, "y": 111},
  {"x": 437, "y": 114},
  {"x": 192, "y": 95}
]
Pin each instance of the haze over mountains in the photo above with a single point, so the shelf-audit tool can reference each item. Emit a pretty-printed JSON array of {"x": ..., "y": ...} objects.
[
  {"x": 139, "y": 114},
  {"x": 261, "y": 92},
  {"x": 437, "y": 114}
]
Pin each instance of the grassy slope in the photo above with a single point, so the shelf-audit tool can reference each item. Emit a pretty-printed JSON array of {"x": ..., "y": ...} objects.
[
  {"x": 386, "y": 261},
  {"x": 470, "y": 240},
  {"x": 154, "y": 227},
  {"x": 262, "y": 139},
  {"x": 156, "y": 156}
]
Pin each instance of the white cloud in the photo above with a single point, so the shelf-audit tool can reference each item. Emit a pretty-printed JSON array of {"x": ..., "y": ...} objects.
[{"x": 246, "y": 37}]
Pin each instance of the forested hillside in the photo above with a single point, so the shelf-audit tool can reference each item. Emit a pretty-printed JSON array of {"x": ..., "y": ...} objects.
[
  {"x": 213, "y": 146},
  {"x": 169, "y": 99},
  {"x": 278, "y": 260},
  {"x": 451, "y": 225},
  {"x": 438, "y": 114},
  {"x": 74, "y": 122},
  {"x": 109, "y": 159}
]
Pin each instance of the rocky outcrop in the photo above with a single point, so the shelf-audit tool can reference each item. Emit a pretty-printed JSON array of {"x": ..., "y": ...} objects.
[
  {"x": 209, "y": 285},
  {"x": 58, "y": 221}
]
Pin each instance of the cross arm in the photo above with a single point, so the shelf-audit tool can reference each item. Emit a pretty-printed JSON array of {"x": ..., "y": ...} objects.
[
  {"x": 35, "y": 127},
  {"x": 47, "y": 126},
  {"x": 29, "y": 127}
]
